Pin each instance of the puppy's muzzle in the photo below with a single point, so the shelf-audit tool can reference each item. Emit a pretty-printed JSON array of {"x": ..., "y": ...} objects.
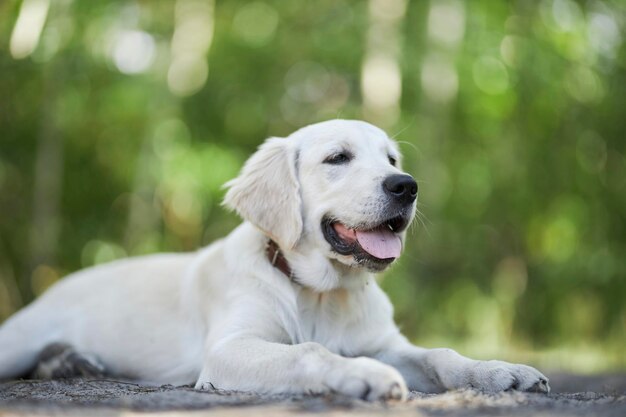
[{"x": 401, "y": 188}]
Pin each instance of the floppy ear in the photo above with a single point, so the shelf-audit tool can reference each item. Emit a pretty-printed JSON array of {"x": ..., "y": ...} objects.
[{"x": 267, "y": 192}]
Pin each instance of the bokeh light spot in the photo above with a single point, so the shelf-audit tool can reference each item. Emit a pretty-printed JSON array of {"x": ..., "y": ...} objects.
[
  {"x": 97, "y": 252},
  {"x": 584, "y": 85},
  {"x": 604, "y": 34},
  {"x": 510, "y": 278},
  {"x": 490, "y": 75},
  {"x": 561, "y": 15},
  {"x": 255, "y": 23},
  {"x": 381, "y": 82},
  {"x": 510, "y": 49},
  {"x": 192, "y": 38},
  {"x": 28, "y": 27},
  {"x": 439, "y": 79},
  {"x": 187, "y": 75},
  {"x": 446, "y": 22},
  {"x": 134, "y": 51},
  {"x": 560, "y": 239},
  {"x": 43, "y": 277},
  {"x": 567, "y": 14}
]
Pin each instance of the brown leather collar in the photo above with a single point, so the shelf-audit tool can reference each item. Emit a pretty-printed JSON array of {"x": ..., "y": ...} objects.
[{"x": 277, "y": 259}]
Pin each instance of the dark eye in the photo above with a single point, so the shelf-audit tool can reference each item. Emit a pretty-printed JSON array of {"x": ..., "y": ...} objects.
[
  {"x": 338, "y": 158},
  {"x": 392, "y": 160}
]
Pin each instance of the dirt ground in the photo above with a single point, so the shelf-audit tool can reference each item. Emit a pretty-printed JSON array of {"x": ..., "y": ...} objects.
[{"x": 572, "y": 395}]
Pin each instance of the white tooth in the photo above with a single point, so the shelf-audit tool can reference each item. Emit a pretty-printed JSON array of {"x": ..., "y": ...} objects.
[{"x": 390, "y": 228}]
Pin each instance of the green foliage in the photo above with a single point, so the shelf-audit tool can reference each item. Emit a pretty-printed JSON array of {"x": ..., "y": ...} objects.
[{"x": 123, "y": 119}]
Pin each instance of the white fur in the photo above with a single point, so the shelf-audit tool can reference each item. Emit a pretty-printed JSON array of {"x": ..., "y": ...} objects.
[{"x": 225, "y": 317}]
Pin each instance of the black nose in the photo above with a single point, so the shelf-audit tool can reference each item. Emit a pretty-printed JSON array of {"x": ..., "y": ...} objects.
[{"x": 402, "y": 188}]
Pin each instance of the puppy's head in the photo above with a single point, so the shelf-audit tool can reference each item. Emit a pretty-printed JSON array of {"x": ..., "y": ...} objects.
[{"x": 335, "y": 188}]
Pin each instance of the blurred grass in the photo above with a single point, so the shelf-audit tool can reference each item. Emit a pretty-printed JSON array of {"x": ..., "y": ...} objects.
[{"x": 121, "y": 120}]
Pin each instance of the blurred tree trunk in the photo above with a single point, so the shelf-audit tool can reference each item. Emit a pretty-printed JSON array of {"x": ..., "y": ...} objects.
[{"x": 47, "y": 179}]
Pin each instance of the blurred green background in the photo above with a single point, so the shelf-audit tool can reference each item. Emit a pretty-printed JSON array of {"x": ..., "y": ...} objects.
[{"x": 121, "y": 119}]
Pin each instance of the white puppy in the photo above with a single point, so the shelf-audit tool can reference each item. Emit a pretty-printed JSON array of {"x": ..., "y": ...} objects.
[{"x": 286, "y": 303}]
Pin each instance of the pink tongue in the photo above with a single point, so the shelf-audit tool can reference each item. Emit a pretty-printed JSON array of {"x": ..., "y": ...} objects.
[{"x": 381, "y": 243}]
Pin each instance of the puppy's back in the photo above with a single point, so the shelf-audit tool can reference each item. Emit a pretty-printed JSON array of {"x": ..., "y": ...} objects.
[{"x": 93, "y": 308}]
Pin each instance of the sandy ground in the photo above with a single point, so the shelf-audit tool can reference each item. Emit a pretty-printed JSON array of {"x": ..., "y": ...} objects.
[{"x": 572, "y": 395}]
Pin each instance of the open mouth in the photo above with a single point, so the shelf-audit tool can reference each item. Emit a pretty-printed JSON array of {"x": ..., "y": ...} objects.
[{"x": 375, "y": 247}]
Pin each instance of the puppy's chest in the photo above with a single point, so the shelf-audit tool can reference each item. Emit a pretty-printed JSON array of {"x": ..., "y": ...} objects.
[{"x": 328, "y": 319}]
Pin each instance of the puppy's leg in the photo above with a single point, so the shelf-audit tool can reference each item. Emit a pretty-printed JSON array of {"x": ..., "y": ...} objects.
[
  {"x": 22, "y": 337},
  {"x": 251, "y": 364},
  {"x": 60, "y": 360},
  {"x": 437, "y": 370}
]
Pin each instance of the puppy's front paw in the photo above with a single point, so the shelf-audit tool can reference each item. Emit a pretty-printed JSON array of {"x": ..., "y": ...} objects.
[
  {"x": 367, "y": 379},
  {"x": 495, "y": 376}
]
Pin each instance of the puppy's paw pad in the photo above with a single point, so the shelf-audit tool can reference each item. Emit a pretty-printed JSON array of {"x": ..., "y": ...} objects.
[
  {"x": 495, "y": 376},
  {"x": 529, "y": 379},
  {"x": 60, "y": 360},
  {"x": 396, "y": 392},
  {"x": 541, "y": 387}
]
